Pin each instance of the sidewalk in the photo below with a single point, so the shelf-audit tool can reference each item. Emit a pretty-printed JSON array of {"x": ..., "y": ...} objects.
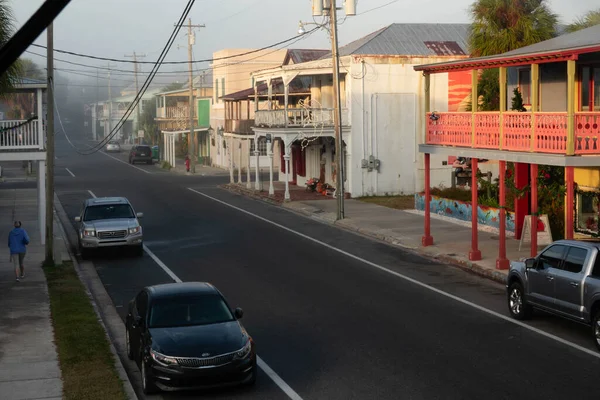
[
  {"x": 29, "y": 366},
  {"x": 201, "y": 170},
  {"x": 404, "y": 228},
  {"x": 16, "y": 171}
]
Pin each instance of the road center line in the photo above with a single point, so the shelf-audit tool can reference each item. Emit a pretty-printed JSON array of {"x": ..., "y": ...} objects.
[
  {"x": 69, "y": 171},
  {"x": 119, "y": 160},
  {"x": 409, "y": 279},
  {"x": 259, "y": 361},
  {"x": 126, "y": 163}
]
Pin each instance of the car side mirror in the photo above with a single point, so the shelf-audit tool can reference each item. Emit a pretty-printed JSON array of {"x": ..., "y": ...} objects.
[
  {"x": 530, "y": 263},
  {"x": 77, "y": 219},
  {"x": 239, "y": 313},
  {"x": 140, "y": 215}
]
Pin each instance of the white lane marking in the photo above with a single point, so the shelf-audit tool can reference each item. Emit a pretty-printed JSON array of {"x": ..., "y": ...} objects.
[
  {"x": 69, "y": 171},
  {"x": 162, "y": 265},
  {"x": 278, "y": 381},
  {"x": 92, "y": 194},
  {"x": 272, "y": 374},
  {"x": 126, "y": 163},
  {"x": 409, "y": 279}
]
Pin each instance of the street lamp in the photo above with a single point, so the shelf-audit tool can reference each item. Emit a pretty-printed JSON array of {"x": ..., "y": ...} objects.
[{"x": 329, "y": 8}]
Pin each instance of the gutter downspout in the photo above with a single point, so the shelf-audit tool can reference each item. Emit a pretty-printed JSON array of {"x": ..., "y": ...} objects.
[
  {"x": 375, "y": 150},
  {"x": 364, "y": 125}
]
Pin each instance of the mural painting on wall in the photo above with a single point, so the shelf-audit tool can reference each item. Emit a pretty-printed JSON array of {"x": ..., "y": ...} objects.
[
  {"x": 461, "y": 210},
  {"x": 459, "y": 91}
]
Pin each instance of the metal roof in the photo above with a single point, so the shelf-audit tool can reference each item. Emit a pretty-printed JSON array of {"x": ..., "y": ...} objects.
[
  {"x": 557, "y": 49},
  {"x": 589, "y": 37},
  {"x": 412, "y": 40},
  {"x": 298, "y": 56}
]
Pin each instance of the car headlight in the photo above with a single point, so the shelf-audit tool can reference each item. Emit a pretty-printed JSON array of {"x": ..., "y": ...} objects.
[
  {"x": 89, "y": 232},
  {"x": 162, "y": 359},
  {"x": 137, "y": 229},
  {"x": 244, "y": 351}
]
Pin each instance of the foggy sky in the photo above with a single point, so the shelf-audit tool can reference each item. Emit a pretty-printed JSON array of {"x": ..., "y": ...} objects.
[{"x": 113, "y": 28}]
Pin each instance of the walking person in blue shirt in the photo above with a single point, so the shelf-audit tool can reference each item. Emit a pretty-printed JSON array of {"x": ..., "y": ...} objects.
[{"x": 17, "y": 242}]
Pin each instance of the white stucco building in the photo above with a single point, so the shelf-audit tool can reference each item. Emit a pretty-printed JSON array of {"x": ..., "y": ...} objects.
[{"x": 382, "y": 109}]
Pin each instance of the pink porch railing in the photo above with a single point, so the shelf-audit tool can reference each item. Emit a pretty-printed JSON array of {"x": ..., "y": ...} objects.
[
  {"x": 450, "y": 129},
  {"x": 549, "y": 134},
  {"x": 587, "y": 133},
  {"x": 487, "y": 130}
]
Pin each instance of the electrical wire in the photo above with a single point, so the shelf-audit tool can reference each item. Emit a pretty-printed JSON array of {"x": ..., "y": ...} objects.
[
  {"x": 144, "y": 87},
  {"x": 171, "y": 62}
]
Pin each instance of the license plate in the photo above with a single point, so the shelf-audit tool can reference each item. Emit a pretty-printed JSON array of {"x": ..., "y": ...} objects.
[{"x": 142, "y": 154}]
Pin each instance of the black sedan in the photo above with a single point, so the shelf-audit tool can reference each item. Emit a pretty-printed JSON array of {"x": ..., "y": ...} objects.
[{"x": 185, "y": 336}]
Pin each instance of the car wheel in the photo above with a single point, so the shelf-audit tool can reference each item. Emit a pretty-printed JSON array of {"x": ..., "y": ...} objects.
[
  {"x": 85, "y": 253},
  {"x": 596, "y": 328},
  {"x": 128, "y": 343},
  {"x": 517, "y": 306},
  {"x": 148, "y": 386},
  {"x": 139, "y": 251},
  {"x": 150, "y": 162}
]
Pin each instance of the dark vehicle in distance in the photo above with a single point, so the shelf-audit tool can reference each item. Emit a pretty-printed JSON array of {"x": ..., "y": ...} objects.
[
  {"x": 185, "y": 336},
  {"x": 140, "y": 152}
]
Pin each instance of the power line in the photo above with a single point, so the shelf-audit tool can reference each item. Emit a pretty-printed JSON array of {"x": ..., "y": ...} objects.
[
  {"x": 139, "y": 95},
  {"x": 171, "y": 62}
]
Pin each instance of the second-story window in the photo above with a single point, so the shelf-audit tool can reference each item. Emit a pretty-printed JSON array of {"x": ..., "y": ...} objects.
[
  {"x": 222, "y": 86},
  {"x": 525, "y": 85},
  {"x": 216, "y": 91}
]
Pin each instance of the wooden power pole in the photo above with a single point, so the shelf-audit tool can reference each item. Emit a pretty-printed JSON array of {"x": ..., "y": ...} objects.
[
  {"x": 49, "y": 259},
  {"x": 137, "y": 90},
  {"x": 191, "y": 137}
]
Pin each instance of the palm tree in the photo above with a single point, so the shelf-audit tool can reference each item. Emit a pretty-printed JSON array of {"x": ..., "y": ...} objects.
[
  {"x": 591, "y": 18},
  {"x": 13, "y": 74},
  {"x": 504, "y": 25}
]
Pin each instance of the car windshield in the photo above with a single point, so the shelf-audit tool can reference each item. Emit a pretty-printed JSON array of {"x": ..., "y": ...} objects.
[
  {"x": 143, "y": 148},
  {"x": 189, "y": 310},
  {"x": 113, "y": 142},
  {"x": 108, "y": 211}
]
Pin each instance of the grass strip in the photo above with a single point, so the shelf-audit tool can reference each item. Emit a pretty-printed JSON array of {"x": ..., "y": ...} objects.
[
  {"x": 405, "y": 202},
  {"x": 86, "y": 361}
]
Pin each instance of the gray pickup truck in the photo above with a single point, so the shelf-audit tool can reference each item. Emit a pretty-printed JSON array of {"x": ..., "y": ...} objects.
[{"x": 564, "y": 279}]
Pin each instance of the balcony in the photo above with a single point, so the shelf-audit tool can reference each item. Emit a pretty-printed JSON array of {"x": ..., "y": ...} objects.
[
  {"x": 239, "y": 126},
  {"x": 175, "y": 112},
  {"x": 298, "y": 118},
  {"x": 539, "y": 132},
  {"x": 24, "y": 136}
]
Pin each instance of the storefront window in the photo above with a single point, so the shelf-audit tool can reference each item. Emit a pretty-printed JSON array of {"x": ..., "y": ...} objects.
[{"x": 587, "y": 211}]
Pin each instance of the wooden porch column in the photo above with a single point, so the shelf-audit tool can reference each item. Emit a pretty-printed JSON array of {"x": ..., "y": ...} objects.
[
  {"x": 502, "y": 262},
  {"x": 427, "y": 239},
  {"x": 571, "y": 88},
  {"x": 534, "y": 209},
  {"x": 474, "y": 102},
  {"x": 231, "y": 178},
  {"x": 255, "y": 96},
  {"x": 269, "y": 94},
  {"x": 570, "y": 182},
  {"x": 286, "y": 91},
  {"x": 535, "y": 82},
  {"x": 502, "y": 72},
  {"x": 248, "y": 178},
  {"x": 240, "y": 161},
  {"x": 475, "y": 253}
]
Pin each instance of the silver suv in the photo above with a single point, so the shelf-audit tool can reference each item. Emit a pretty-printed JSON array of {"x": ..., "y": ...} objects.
[{"x": 109, "y": 222}]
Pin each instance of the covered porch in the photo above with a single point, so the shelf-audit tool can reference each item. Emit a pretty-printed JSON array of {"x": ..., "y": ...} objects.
[{"x": 25, "y": 139}]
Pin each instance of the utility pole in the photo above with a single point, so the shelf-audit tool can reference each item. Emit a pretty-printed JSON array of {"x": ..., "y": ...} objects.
[
  {"x": 109, "y": 104},
  {"x": 337, "y": 118},
  {"x": 135, "y": 72},
  {"x": 191, "y": 138},
  {"x": 95, "y": 127},
  {"x": 49, "y": 260}
]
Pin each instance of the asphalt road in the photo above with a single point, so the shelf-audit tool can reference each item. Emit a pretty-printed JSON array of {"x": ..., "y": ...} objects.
[{"x": 329, "y": 324}]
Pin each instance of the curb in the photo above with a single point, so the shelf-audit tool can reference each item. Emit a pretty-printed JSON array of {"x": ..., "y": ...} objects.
[
  {"x": 95, "y": 293},
  {"x": 465, "y": 265}
]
